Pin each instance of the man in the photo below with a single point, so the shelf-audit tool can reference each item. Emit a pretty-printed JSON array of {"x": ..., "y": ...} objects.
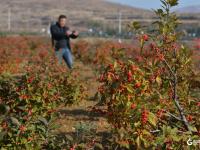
[{"x": 61, "y": 34}]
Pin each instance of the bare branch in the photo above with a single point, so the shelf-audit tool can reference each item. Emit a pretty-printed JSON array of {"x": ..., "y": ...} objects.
[
  {"x": 175, "y": 97},
  {"x": 168, "y": 66},
  {"x": 177, "y": 118}
]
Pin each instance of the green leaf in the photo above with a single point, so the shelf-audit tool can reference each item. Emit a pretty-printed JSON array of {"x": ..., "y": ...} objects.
[
  {"x": 24, "y": 140},
  {"x": 81, "y": 146},
  {"x": 138, "y": 142},
  {"x": 194, "y": 129},
  {"x": 145, "y": 132},
  {"x": 164, "y": 3},
  {"x": 2, "y": 135},
  {"x": 159, "y": 80},
  {"x": 159, "y": 11},
  {"x": 187, "y": 61},
  {"x": 176, "y": 138},
  {"x": 125, "y": 145},
  {"x": 98, "y": 146},
  {"x": 152, "y": 119},
  {"x": 15, "y": 121},
  {"x": 115, "y": 64},
  {"x": 42, "y": 129},
  {"x": 172, "y": 2},
  {"x": 144, "y": 142},
  {"x": 43, "y": 120},
  {"x": 21, "y": 107},
  {"x": 136, "y": 25},
  {"x": 129, "y": 88},
  {"x": 70, "y": 138},
  {"x": 4, "y": 108},
  {"x": 137, "y": 124}
]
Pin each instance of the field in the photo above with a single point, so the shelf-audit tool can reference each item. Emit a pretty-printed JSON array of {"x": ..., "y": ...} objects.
[
  {"x": 143, "y": 93},
  {"x": 82, "y": 15},
  {"x": 78, "y": 116}
]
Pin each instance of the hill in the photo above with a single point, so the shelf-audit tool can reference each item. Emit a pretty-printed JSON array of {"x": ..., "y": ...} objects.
[
  {"x": 35, "y": 14},
  {"x": 190, "y": 9}
]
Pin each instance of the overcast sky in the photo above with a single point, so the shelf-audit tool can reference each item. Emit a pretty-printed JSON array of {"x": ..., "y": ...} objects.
[{"x": 149, "y": 4}]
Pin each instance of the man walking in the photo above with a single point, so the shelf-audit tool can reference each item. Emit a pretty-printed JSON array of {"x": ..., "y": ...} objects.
[{"x": 61, "y": 34}]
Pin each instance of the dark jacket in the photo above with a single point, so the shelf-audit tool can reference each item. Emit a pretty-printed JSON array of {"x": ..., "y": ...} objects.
[{"x": 58, "y": 34}]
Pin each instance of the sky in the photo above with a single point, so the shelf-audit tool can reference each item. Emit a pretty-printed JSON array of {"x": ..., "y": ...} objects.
[{"x": 149, "y": 4}]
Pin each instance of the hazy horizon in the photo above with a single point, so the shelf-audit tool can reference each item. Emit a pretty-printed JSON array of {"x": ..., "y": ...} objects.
[{"x": 152, "y": 4}]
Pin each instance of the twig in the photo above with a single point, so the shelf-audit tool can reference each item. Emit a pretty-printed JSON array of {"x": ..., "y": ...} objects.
[
  {"x": 175, "y": 97},
  {"x": 177, "y": 118},
  {"x": 156, "y": 131},
  {"x": 168, "y": 66}
]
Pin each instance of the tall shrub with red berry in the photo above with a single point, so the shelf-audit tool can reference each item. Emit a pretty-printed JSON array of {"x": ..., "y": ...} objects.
[{"x": 149, "y": 100}]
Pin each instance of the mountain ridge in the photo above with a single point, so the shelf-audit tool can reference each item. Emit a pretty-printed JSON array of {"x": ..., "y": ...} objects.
[{"x": 189, "y": 9}]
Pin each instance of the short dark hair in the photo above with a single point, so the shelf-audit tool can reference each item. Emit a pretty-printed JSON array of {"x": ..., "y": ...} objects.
[{"x": 62, "y": 17}]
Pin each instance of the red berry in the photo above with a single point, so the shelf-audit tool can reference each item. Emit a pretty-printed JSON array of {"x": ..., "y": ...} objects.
[
  {"x": 101, "y": 78},
  {"x": 161, "y": 57},
  {"x": 134, "y": 68},
  {"x": 30, "y": 112},
  {"x": 133, "y": 106},
  {"x": 49, "y": 85},
  {"x": 139, "y": 59},
  {"x": 129, "y": 75},
  {"x": 137, "y": 85},
  {"x": 30, "y": 139},
  {"x": 160, "y": 113},
  {"x": 24, "y": 97},
  {"x": 189, "y": 118},
  {"x": 152, "y": 45},
  {"x": 22, "y": 128},
  {"x": 145, "y": 37},
  {"x": 30, "y": 79},
  {"x": 144, "y": 116}
]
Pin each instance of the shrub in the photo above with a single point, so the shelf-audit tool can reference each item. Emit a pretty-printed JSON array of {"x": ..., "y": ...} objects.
[{"x": 148, "y": 100}]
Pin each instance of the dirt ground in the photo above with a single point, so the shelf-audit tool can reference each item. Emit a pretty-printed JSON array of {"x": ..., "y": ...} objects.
[{"x": 71, "y": 116}]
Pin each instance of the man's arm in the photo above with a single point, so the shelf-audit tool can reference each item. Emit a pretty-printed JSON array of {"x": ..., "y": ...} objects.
[{"x": 74, "y": 34}]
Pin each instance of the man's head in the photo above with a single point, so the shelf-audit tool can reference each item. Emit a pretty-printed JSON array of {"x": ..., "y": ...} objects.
[{"x": 62, "y": 20}]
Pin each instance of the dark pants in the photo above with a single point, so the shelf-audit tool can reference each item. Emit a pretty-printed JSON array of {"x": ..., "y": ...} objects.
[{"x": 65, "y": 54}]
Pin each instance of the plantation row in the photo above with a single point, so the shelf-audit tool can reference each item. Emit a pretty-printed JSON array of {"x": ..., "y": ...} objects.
[{"x": 148, "y": 90}]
